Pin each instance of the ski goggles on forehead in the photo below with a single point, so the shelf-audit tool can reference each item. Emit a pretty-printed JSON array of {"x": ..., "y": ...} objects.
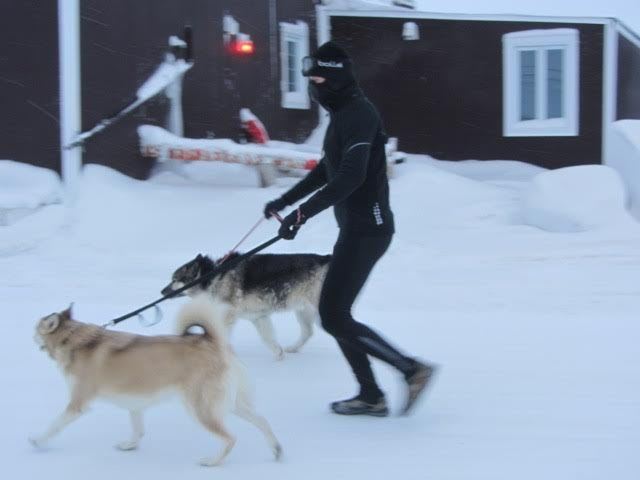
[{"x": 311, "y": 66}]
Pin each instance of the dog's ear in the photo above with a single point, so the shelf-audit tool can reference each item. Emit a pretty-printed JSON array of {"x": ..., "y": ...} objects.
[
  {"x": 50, "y": 324},
  {"x": 67, "y": 314}
]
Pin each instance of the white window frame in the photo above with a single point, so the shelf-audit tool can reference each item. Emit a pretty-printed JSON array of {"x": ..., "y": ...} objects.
[
  {"x": 299, "y": 33},
  {"x": 565, "y": 39}
]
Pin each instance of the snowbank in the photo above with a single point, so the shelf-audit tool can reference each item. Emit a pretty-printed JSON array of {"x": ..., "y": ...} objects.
[
  {"x": 623, "y": 154},
  {"x": 630, "y": 129},
  {"x": 23, "y": 188},
  {"x": 485, "y": 170},
  {"x": 27, "y": 186},
  {"x": 575, "y": 199}
]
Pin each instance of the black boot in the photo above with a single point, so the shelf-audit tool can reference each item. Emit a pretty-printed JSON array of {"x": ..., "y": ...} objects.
[
  {"x": 361, "y": 406},
  {"x": 417, "y": 382}
]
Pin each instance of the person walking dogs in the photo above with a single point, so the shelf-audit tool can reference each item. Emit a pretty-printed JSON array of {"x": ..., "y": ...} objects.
[{"x": 351, "y": 177}]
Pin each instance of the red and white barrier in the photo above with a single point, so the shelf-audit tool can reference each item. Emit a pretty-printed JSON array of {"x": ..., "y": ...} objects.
[{"x": 156, "y": 142}]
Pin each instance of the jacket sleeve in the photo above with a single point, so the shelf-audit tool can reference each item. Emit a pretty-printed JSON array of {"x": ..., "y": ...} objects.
[
  {"x": 357, "y": 137},
  {"x": 315, "y": 179}
]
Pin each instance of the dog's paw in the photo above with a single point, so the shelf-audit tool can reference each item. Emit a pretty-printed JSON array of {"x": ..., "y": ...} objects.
[
  {"x": 209, "y": 462},
  {"x": 277, "y": 452},
  {"x": 37, "y": 442},
  {"x": 292, "y": 349},
  {"x": 126, "y": 446},
  {"x": 279, "y": 355}
]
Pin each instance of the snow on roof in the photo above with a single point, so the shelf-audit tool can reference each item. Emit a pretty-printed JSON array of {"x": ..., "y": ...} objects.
[
  {"x": 626, "y": 11},
  {"x": 362, "y": 5}
]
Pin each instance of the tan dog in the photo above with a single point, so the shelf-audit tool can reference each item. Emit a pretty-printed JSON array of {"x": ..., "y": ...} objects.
[{"x": 135, "y": 371}]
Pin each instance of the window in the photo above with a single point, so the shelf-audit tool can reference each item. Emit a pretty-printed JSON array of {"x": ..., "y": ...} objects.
[
  {"x": 294, "y": 45},
  {"x": 541, "y": 84}
]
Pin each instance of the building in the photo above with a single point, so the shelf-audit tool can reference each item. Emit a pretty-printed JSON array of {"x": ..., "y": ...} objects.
[
  {"x": 539, "y": 89},
  {"x": 544, "y": 90}
]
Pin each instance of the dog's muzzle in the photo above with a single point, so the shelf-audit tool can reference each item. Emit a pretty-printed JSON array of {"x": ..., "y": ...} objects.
[
  {"x": 39, "y": 341},
  {"x": 172, "y": 287}
]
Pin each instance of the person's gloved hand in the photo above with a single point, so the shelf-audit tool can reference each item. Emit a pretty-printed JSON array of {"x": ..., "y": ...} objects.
[
  {"x": 291, "y": 224},
  {"x": 274, "y": 206}
]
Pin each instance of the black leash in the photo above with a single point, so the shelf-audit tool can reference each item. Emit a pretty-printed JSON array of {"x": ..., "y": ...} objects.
[{"x": 227, "y": 265}]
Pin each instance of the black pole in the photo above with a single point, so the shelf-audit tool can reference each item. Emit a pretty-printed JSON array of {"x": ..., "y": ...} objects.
[{"x": 188, "y": 38}]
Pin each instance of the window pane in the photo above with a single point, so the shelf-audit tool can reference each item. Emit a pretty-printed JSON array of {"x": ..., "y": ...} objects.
[
  {"x": 527, "y": 85},
  {"x": 554, "y": 83},
  {"x": 292, "y": 59}
]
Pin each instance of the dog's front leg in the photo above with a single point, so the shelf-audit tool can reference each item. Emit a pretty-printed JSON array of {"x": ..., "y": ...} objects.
[
  {"x": 71, "y": 413},
  {"x": 265, "y": 329},
  {"x": 137, "y": 427},
  {"x": 305, "y": 319}
]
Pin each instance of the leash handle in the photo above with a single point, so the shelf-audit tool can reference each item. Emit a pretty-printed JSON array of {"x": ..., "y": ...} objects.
[
  {"x": 216, "y": 271},
  {"x": 276, "y": 215}
]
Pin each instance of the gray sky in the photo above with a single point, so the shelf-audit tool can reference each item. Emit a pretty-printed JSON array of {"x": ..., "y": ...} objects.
[{"x": 626, "y": 10}]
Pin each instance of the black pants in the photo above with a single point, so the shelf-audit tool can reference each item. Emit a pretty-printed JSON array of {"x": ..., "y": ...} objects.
[{"x": 354, "y": 257}]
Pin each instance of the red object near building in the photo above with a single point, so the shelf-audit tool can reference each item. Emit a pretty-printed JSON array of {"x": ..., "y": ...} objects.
[
  {"x": 253, "y": 128},
  {"x": 310, "y": 164}
]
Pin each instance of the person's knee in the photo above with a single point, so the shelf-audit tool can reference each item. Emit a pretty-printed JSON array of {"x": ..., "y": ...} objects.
[
  {"x": 327, "y": 319},
  {"x": 332, "y": 318},
  {"x": 330, "y": 326}
]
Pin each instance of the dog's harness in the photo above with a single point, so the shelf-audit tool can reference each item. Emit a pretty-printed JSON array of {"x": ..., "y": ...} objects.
[{"x": 221, "y": 267}]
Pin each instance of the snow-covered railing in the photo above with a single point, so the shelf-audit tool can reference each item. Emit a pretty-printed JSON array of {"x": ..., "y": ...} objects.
[{"x": 156, "y": 142}]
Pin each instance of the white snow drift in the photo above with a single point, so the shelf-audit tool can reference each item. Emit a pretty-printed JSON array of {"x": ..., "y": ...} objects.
[
  {"x": 575, "y": 199},
  {"x": 537, "y": 333}
]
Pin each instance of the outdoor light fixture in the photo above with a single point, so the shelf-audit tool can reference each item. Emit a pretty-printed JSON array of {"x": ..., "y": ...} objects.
[
  {"x": 243, "y": 45},
  {"x": 236, "y": 42},
  {"x": 410, "y": 31}
]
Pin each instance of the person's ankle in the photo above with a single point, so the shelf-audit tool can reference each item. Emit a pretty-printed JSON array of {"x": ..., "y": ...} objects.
[
  {"x": 371, "y": 396},
  {"x": 413, "y": 368}
]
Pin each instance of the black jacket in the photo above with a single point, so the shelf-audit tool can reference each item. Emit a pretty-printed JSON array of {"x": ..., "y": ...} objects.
[{"x": 353, "y": 171}]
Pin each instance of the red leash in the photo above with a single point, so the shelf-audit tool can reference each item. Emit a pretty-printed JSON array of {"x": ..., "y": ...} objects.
[
  {"x": 241, "y": 240},
  {"x": 275, "y": 214}
]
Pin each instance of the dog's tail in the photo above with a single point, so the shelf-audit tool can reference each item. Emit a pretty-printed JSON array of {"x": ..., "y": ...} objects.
[{"x": 202, "y": 312}]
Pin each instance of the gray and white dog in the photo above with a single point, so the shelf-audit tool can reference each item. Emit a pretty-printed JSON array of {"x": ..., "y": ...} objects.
[{"x": 259, "y": 286}]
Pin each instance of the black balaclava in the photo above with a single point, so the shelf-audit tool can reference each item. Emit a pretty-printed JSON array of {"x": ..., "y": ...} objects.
[{"x": 332, "y": 62}]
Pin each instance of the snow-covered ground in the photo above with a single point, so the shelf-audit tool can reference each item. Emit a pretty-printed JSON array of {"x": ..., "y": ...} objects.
[{"x": 537, "y": 332}]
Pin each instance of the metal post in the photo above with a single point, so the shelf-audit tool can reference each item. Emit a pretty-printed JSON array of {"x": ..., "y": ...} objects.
[{"x": 70, "y": 95}]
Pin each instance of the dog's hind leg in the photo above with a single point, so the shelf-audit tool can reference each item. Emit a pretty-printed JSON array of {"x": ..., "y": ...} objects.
[
  {"x": 204, "y": 407},
  {"x": 215, "y": 426},
  {"x": 244, "y": 409},
  {"x": 137, "y": 427},
  {"x": 75, "y": 409},
  {"x": 265, "y": 329},
  {"x": 305, "y": 318}
]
